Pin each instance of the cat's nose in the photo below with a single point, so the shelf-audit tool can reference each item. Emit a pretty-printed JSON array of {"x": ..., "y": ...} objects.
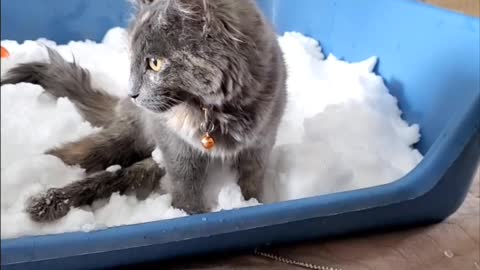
[
  {"x": 133, "y": 90},
  {"x": 134, "y": 95}
]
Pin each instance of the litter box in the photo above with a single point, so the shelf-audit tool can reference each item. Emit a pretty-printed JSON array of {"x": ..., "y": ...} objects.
[{"x": 430, "y": 59}]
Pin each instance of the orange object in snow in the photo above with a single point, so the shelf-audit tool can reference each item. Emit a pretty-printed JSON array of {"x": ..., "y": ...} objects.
[{"x": 5, "y": 53}]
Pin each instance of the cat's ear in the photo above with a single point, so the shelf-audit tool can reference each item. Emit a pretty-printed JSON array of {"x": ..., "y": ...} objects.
[
  {"x": 224, "y": 18},
  {"x": 216, "y": 15},
  {"x": 142, "y": 3}
]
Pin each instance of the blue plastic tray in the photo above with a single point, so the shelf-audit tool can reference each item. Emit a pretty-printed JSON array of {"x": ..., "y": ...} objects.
[{"x": 430, "y": 60}]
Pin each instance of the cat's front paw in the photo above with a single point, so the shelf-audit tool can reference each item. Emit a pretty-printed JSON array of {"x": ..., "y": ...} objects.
[
  {"x": 189, "y": 206},
  {"x": 194, "y": 210},
  {"x": 49, "y": 206}
]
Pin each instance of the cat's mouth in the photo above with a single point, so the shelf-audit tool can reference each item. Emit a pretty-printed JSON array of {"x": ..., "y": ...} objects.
[{"x": 161, "y": 103}]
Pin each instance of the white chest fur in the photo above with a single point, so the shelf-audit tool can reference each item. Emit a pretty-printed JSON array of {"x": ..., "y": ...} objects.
[{"x": 184, "y": 122}]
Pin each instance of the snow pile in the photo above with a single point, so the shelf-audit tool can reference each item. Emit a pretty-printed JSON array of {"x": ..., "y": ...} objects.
[{"x": 342, "y": 131}]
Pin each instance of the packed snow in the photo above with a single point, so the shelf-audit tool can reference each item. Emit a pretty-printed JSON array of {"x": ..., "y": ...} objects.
[{"x": 342, "y": 131}]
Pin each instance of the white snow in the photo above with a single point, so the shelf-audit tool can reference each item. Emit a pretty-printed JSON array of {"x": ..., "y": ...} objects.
[{"x": 342, "y": 131}]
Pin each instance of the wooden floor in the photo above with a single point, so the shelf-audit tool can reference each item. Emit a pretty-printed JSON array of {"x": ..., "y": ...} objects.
[{"x": 469, "y": 7}]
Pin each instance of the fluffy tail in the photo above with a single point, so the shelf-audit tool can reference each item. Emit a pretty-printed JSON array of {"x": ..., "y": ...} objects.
[{"x": 63, "y": 79}]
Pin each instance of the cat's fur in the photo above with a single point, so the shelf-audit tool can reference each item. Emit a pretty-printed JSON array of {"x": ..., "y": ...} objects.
[{"x": 219, "y": 54}]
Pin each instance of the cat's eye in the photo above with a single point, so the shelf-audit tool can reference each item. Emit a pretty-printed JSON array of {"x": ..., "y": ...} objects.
[{"x": 155, "y": 64}]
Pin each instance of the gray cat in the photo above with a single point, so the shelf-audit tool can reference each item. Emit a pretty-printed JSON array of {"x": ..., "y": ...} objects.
[{"x": 207, "y": 85}]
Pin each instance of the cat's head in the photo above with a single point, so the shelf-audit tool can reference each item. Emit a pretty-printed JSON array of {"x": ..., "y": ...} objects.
[{"x": 197, "y": 51}]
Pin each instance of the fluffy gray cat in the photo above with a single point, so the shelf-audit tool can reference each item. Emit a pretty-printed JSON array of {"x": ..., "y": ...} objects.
[{"x": 207, "y": 85}]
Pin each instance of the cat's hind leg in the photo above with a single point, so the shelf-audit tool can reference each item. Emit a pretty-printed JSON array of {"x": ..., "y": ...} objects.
[
  {"x": 120, "y": 143},
  {"x": 141, "y": 178}
]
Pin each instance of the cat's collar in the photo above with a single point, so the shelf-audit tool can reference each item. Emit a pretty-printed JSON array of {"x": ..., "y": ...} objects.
[{"x": 207, "y": 127}]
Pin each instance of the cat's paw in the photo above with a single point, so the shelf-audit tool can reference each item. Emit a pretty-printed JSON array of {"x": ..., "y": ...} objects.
[
  {"x": 49, "y": 206},
  {"x": 191, "y": 208}
]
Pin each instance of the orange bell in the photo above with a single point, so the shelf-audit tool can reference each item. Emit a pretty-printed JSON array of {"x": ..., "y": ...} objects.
[
  {"x": 208, "y": 142},
  {"x": 5, "y": 53}
]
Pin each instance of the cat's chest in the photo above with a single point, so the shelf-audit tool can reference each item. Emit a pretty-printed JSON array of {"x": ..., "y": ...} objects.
[
  {"x": 179, "y": 123},
  {"x": 184, "y": 123}
]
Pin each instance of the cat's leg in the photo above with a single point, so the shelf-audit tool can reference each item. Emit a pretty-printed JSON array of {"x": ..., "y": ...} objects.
[
  {"x": 251, "y": 167},
  {"x": 141, "y": 178},
  {"x": 186, "y": 175},
  {"x": 118, "y": 144}
]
